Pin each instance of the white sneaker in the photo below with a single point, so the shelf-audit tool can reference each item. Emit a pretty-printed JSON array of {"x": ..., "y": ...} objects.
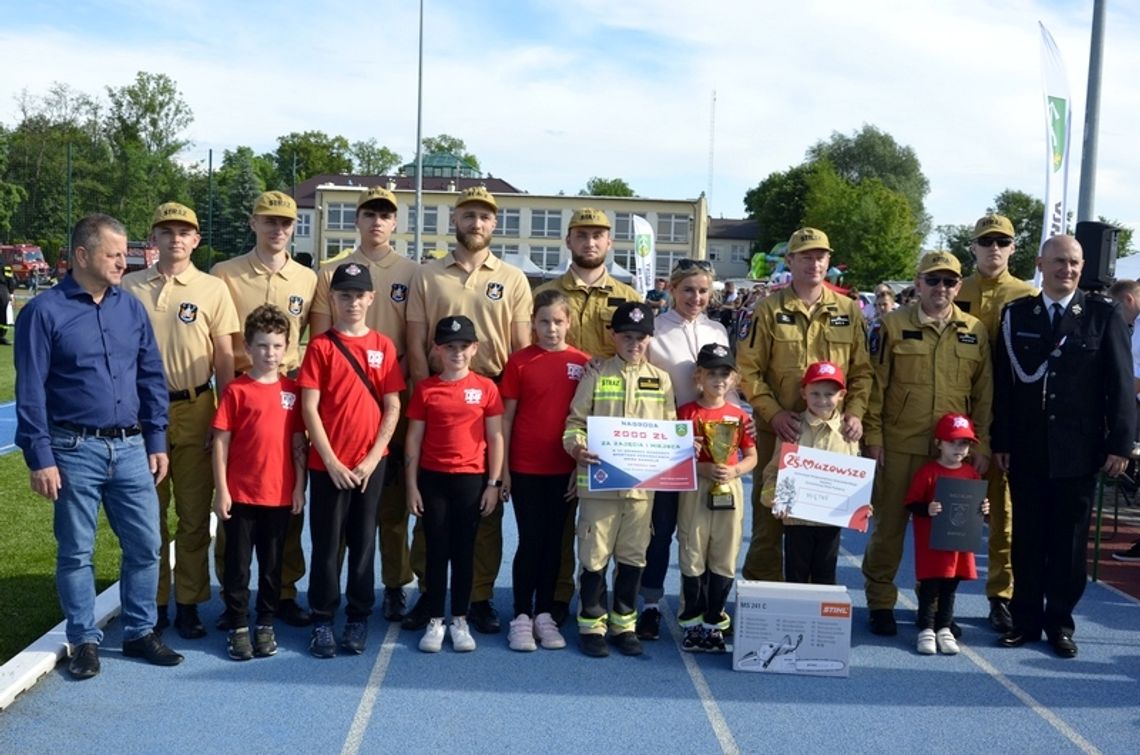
[
  {"x": 432, "y": 641},
  {"x": 521, "y": 636},
  {"x": 926, "y": 641},
  {"x": 461, "y": 638},
  {"x": 947, "y": 645},
  {"x": 546, "y": 632}
]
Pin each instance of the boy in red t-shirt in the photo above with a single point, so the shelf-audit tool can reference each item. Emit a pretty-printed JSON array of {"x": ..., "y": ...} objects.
[
  {"x": 453, "y": 465},
  {"x": 258, "y": 424},
  {"x": 350, "y": 384},
  {"x": 709, "y": 528},
  {"x": 538, "y": 384},
  {"x": 939, "y": 572}
]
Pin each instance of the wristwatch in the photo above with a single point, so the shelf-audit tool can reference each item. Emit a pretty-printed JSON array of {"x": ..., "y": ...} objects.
[{"x": 494, "y": 483}]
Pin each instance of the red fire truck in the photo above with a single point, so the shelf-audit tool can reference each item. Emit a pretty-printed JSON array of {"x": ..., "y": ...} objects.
[
  {"x": 27, "y": 263},
  {"x": 140, "y": 255}
]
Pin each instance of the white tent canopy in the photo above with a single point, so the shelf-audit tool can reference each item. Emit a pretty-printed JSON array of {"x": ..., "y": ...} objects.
[
  {"x": 1128, "y": 267},
  {"x": 615, "y": 269}
]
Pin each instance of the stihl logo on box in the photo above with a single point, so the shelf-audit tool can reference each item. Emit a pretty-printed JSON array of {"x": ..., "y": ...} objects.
[{"x": 835, "y": 610}]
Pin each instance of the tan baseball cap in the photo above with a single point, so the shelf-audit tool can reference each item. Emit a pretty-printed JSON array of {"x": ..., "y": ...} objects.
[
  {"x": 993, "y": 225},
  {"x": 932, "y": 261},
  {"x": 588, "y": 216},
  {"x": 376, "y": 194},
  {"x": 806, "y": 239},
  {"x": 275, "y": 203},
  {"x": 172, "y": 212},
  {"x": 477, "y": 194}
]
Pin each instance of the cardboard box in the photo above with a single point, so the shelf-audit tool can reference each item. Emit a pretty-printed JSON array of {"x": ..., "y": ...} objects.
[{"x": 785, "y": 628}]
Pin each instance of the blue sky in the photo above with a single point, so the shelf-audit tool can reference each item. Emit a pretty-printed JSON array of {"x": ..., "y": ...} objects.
[{"x": 548, "y": 94}]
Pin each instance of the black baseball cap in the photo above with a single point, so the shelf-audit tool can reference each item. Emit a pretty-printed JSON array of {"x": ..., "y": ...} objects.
[
  {"x": 713, "y": 355},
  {"x": 454, "y": 328},
  {"x": 633, "y": 317},
  {"x": 351, "y": 277}
]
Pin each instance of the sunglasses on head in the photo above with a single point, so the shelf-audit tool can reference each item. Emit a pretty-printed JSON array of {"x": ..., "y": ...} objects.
[
  {"x": 988, "y": 241},
  {"x": 688, "y": 264},
  {"x": 949, "y": 281}
]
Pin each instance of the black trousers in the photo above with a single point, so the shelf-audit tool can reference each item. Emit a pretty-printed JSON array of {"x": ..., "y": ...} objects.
[
  {"x": 450, "y": 522},
  {"x": 942, "y": 591},
  {"x": 705, "y": 596},
  {"x": 250, "y": 528},
  {"x": 810, "y": 554},
  {"x": 1050, "y": 549},
  {"x": 347, "y": 516},
  {"x": 540, "y": 512}
]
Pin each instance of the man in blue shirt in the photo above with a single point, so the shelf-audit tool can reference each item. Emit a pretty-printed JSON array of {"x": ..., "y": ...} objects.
[{"x": 91, "y": 406}]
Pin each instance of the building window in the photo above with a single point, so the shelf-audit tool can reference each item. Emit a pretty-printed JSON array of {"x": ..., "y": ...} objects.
[
  {"x": 623, "y": 226},
  {"x": 673, "y": 228},
  {"x": 508, "y": 223},
  {"x": 340, "y": 216},
  {"x": 431, "y": 219},
  {"x": 335, "y": 246},
  {"x": 500, "y": 249},
  {"x": 546, "y": 224},
  {"x": 739, "y": 253},
  {"x": 304, "y": 227},
  {"x": 546, "y": 257},
  {"x": 624, "y": 257},
  {"x": 714, "y": 254},
  {"x": 666, "y": 261}
]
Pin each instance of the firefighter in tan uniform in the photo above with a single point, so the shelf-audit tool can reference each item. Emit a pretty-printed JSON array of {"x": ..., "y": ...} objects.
[
  {"x": 268, "y": 275},
  {"x": 615, "y": 524},
  {"x": 496, "y": 297},
  {"x": 376, "y": 210},
  {"x": 983, "y": 295},
  {"x": 593, "y": 294},
  {"x": 194, "y": 321},
  {"x": 930, "y": 359},
  {"x": 796, "y": 326}
]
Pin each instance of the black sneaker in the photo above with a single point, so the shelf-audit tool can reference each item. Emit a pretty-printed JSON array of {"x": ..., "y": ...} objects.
[
  {"x": 84, "y": 662},
  {"x": 394, "y": 603},
  {"x": 483, "y": 616},
  {"x": 355, "y": 637},
  {"x": 593, "y": 645},
  {"x": 322, "y": 644},
  {"x": 1000, "y": 618},
  {"x": 883, "y": 622},
  {"x": 264, "y": 641},
  {"x": 1132, "y": 554},
  {"x": 649, "y": 624},
  {"x": 694, "y": 640},
  {"x": 238, "y": 645},
  {"x": 559, "y": 611},
  {"x": 626, "y": 643},
  {"x": 152, "y": 649},
  {"x": 291, "y": 613},
  {"x": 417, "y": 618},
  {"x": 714, "y": 641}
]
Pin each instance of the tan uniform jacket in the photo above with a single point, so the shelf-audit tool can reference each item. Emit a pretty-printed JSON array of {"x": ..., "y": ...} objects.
[
  {"x": 822, "y": 434},
  {"x": 591, "y": 309},
  {"x": 786, "y": 336},
  {"x": 922, "y": 374},
  {"x": 617, "y": 389},
  {"x": 984, "y": 298},
  {"x": 391, "y": 280}
]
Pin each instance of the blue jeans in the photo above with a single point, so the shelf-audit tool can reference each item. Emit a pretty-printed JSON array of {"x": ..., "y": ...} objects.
[{"x": 115, "y": 472}]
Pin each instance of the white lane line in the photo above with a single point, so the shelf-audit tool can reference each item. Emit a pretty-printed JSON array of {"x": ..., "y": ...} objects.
[
  {"x": 1026, "y": 699},
  {"x": 368, "y": 701},
  {"x": 708, "y": 702}
]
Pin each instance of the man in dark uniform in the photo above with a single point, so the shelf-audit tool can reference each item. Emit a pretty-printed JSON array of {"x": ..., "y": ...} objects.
[{"x": 1063, "y": 410}]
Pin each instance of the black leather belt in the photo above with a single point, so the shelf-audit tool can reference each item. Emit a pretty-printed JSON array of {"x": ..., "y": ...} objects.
[
  {"x": 101, "y": 432},
  {"x": 189, "y": 393}
]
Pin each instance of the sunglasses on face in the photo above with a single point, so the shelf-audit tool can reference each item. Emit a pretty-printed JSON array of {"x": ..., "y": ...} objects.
[
  {"x": 688, "y": 264},
  {"x": 989, "y": 241},
  {"x": 934, "y": 280}
]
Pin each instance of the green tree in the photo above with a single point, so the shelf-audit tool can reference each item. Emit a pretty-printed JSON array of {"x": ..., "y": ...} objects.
[
  {"x": 315, "y": 152},
  {"x": 10, "y": 194},
  {"x": 778, "y": 202},
  {"x": 238, "y": 186},
  {"x": 957, "y": 240},
  {"x": 871, "y": 227},
  {"x": 372, "y": 159},
  {"x": 445, "y": 144},
  {"x": 1027, "y": 213},
  {"x": 872, "y": 153},
  {"x": 606, "y": 187}
]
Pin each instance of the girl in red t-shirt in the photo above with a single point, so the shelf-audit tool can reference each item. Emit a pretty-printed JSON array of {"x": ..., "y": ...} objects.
[
  {"x": 538, "y": 385},
  {"x": 939, "y": 572},
  {"x": 454, "y": 460}
]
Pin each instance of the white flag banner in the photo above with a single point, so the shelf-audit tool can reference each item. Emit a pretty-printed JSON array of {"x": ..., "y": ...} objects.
[
  {"x": 1058, "y": 129},
  {"x": 645, "y": 255}
]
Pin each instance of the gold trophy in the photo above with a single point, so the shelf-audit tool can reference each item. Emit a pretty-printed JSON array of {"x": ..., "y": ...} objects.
[{"x": 722, "y": 439}]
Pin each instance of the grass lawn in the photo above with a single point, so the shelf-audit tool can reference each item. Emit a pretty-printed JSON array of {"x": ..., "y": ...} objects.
[{"x": 27, "y": 569}]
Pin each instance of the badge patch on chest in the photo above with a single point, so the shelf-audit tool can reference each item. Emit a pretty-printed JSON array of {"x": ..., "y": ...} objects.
[
  {"x": 375, "y": 359},
  {"x": 399, "y": 293},
  {"x": 839, "y": 321},
  {"x": 963, "y": 305},
  {"x": 494, "y": 291},
  {"x": 187, "y": 312},
  {"x": 574, "y": 371},
  {"x": 785, "y": 318},
  {"x": 296, "y": 305},
  {"x": 912, "y": 335},
  {"x": 970, "y": 338},
  {"x": 288, "y": 400},
  {"x": 648, "y": 384},
  {"x": 472, "y": 395}
]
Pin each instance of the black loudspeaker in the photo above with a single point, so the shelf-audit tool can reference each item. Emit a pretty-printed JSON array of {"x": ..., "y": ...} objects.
[{"x": 1098, "y": 240}]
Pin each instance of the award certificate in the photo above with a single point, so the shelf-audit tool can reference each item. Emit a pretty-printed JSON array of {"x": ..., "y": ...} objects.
[
  {"x": 641, "y": 454},
  {"x": 824, "y": 487}
]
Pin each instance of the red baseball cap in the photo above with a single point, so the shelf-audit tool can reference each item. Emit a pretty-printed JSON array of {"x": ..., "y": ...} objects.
[
  {"x": 955, "y": 427},
  {"x": 820, "y": 371}
]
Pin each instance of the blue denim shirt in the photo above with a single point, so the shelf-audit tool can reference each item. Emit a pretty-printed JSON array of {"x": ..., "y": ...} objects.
[{"x": 96, "y": 365}]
